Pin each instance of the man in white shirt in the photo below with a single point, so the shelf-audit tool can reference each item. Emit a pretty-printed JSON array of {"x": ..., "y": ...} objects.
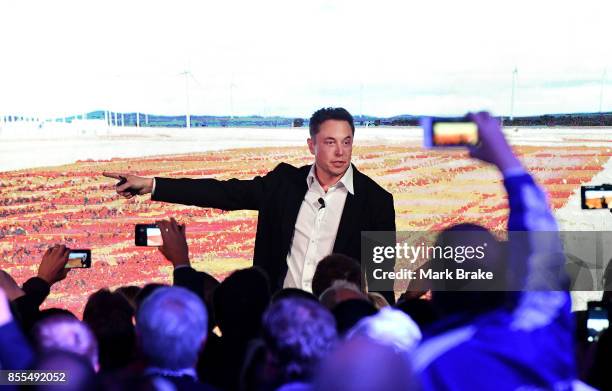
[{"x": 305, "y": 213}]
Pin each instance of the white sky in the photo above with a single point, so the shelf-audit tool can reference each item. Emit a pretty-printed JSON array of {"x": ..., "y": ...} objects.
[{"x": 288, "y": 57}]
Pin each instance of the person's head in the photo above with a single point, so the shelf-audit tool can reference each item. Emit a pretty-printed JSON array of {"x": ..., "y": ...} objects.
[
  {"x": 389, "y": 327},
  {"x": 146, "y": 291},
  {"x": 287, "y": 293},
  {"x": 378, "y": 300},
  {"x": 453, "y": 296},
  {"x": 331, "y": 140},
  {"x": 298, "y": 333},
  {"x": 66, "y": 333},
  {"x": 54, "y": 311},
  {"x": 335, "y": 267},
  {"x": 420, "y": 310},
  {"x": 80, "y": 374},
  {"x": 350, "y": 312},
  {"x": 340, "y": 291},
  {"x": 171, "y": 327},
  {"x": 362, "y": 364},
  {"x": 130, "y": 292},
  {"x": 239, "y": 301},
  {"x": 110, "y": 315}
]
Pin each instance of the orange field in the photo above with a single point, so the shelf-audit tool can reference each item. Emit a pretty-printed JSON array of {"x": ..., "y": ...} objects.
[{"x": 74, "y": 204}]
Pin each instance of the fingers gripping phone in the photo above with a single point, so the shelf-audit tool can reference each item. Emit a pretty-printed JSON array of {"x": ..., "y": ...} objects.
[
  {"x": 441, "y": 132},
  {"x": 148, "y": 235}
]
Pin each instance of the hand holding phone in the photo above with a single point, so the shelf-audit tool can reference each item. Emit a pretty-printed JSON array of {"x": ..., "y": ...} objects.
[
  {"x": 175, "y": 247},
  {"x": 52, "y": 267}
]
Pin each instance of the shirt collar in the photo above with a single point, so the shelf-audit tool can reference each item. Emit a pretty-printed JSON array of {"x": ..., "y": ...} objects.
[{"x": 346, "y": 180}]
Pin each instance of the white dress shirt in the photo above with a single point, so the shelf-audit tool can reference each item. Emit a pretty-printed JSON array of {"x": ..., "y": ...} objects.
[{"x": 316, "y": 228}]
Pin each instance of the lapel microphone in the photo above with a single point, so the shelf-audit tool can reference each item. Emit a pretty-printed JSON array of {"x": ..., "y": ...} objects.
[{"x": 322, "y": 203}]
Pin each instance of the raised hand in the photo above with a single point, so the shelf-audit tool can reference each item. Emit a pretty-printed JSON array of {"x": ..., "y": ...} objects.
[
  {"x": 493, "y": 147},
  {"x": 130, "y": 185},
  {"x": 52, "y": 267},
  {"x": 175, "y": 247}
]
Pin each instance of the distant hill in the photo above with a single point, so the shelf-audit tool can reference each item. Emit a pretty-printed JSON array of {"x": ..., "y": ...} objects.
[{"x": 198, "y": 121}]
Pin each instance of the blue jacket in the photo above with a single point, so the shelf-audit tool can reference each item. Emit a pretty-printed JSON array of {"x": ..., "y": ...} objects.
[{"x": 529, "y": 347}]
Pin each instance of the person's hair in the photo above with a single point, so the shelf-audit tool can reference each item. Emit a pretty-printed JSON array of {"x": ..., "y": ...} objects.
[
  {"x": 80, "y": 374},
  {"x": 350, "y": 312},
  {"x": 298, "y": 333},
  {"x": 65, "y": 333},
  {"x": 146, "y": 291},
  {"x": 390, "y": 327},
  {"x": 452, "y": 298},
  {"x": 340, "y": 291},
  {"x": 239, "y": 302},
  {"x": 286, "y": 293},
  {"x": 130, "y": 292},
  {"x": 362, "y": 364},
  {"x": 54, "y": 311},
  {"x": 378, "y": 300},
  {"x": 109, "y": 315},
  {"x": 335, "y": 267},
  {"x": 326, "y": 113},
  {"x": 171, "y": 325},
  {"x": 420, "y": 310}
]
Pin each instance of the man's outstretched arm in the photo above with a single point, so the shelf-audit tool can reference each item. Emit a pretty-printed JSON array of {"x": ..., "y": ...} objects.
[{"x": 232, "y": 194}]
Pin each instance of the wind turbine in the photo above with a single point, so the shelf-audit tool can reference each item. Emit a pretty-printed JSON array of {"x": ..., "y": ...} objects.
[
  {"x": 187, "y": 73},
  {"x": 514, "y": 74}
]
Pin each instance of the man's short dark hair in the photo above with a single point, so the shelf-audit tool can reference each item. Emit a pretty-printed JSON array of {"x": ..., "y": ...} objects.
[
  {"x": 335, "y": 267},
  {"x": 322, "y": 115}
]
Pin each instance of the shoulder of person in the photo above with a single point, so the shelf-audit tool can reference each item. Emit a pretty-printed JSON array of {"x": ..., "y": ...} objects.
[
  {"x": 369, "y": 185},
  {"x": 286, "y": 170}
]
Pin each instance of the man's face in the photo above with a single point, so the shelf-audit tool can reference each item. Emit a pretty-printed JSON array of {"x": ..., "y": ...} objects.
[{"x": 332, "y": 148}]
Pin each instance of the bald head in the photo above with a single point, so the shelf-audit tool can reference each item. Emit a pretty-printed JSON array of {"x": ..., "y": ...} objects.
[{"x": 361, "y": 364}]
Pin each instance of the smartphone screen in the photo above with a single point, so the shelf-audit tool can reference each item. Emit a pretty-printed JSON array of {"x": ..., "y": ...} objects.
[
  {"x": 597, "y": 321},
  {"x": 148, "y": 235},
  {"x": 79, "y": 259},
  {"x": 596, "y": 197},
  {"x": 455, "y": 133},
  {"x": 154, "y": 237},
  {"x": 449, "y": 132}
]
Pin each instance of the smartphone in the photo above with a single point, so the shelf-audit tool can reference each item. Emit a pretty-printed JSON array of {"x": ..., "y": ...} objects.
[
  {"x": 148, "y": 235},
  {"x": 449, "y": 132},
  {"x": 596, "y": 197},
  {"x": 79, "y": 259},
  {"x": 597, "y": 320}
]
